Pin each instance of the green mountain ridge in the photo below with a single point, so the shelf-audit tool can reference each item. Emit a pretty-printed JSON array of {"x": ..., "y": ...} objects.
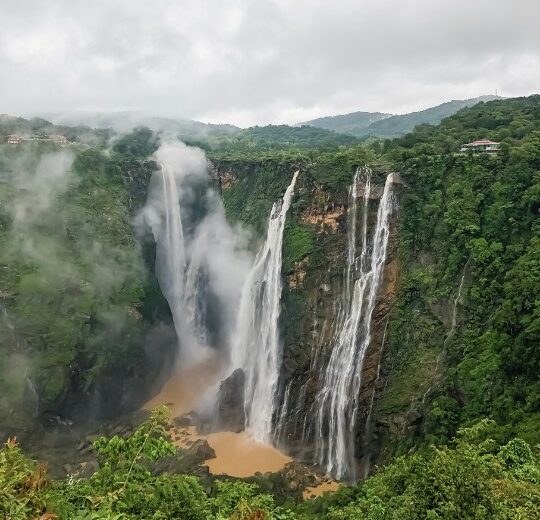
[
  {"x": 377, "y": 124},
  {"x": 354, "y": 123}
]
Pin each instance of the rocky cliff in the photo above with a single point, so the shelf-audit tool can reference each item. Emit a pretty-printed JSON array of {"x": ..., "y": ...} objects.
[{"x": 315, "y": 258}]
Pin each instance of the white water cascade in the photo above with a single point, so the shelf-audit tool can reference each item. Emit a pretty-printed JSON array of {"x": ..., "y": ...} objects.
[
  {"x": 257, "y": 347},
  {"x": 201, "y": 262},
  {"x": 337, "y": 400},
  {"x": 176, "y": 275},
  {"x": 170, "y": 251}
]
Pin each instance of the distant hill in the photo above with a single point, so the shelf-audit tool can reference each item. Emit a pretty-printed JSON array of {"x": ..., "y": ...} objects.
[
  {"x": 269, "y": 137},
  {"x": 354, "y": 123},
  {"x": 396, "y": 126},
  {"x": 386, "y": 125},
  {"x": 127, "y": 121},
  {"x": 37, "y": 125}
]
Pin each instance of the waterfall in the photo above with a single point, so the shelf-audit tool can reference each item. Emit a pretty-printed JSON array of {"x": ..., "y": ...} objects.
[
  {"x": 351, "y": 235},
  {"x": 201, "y": 262},
  {"x": 337, "y": 399},
  {"x": 284, "y": 412},
  {"x": 256, "y": 347},
  {"x": 451, "y": 332},
  {"x": 456, "y": 301},
  {"x": 170, "y": 250}
]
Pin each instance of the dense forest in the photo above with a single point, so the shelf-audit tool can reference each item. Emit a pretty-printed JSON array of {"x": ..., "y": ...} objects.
[
  {"x": 457, "y": 410},
  {"x": 75, "y": 279}
]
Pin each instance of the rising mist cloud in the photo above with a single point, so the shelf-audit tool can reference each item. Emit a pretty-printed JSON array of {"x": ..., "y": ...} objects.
[{"x": 201, "y": 261}]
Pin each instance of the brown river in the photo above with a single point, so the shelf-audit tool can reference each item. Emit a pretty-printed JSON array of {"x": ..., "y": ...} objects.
[{"x": 237, "y": 454}]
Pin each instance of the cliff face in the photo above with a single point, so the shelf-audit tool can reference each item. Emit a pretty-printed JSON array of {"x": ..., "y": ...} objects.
[
  {"x": 84, "y": 330},
  {"x": 315, "y": 259}
]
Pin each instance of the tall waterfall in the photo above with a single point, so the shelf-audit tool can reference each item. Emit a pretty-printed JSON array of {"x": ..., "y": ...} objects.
[
  {"x": 337, "y": 399},
  {"x": 257, "y": 347},
  {"x": 170, "y": 249},
  {"x": 201, "y": 262}
]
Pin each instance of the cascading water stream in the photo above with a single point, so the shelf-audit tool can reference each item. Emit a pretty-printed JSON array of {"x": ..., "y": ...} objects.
[
  {"x": 338, "y": 397},
  {"x": 456, "y": 301},
  {"x": 201, "y": 262},
  {"x": 256, "y": 347},
  {"x": 170, "y": 249},
  {"x": 351, "y": 234}
]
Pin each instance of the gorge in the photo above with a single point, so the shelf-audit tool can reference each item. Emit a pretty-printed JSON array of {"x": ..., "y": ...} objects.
[
  {"x": 348, "y": 306},
  {"x": 254, "y": 347}
]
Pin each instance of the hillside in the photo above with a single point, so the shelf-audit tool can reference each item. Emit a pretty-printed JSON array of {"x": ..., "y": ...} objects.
[
  {"x": 462, "y": 333},
  {"x": 363, "y": 124},
  {"x": 274, "y": 137},
  {"x": 354, "y": 123},
  {"x": 126, "y": 121},
  {"x": 74, "y": 278},
  {"x": 401, "y": 124}
]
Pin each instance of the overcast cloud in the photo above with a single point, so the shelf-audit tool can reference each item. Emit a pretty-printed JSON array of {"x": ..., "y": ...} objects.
[{"x": 260, "y": 61}]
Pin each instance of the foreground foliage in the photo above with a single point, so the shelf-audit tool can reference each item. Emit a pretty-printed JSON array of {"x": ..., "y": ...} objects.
[
  {"x": 471, "y": 479},
  {"x": 124, "y": 487}
]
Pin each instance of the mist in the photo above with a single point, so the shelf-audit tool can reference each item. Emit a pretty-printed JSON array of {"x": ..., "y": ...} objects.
[
  {"x": 70, "y": 291},
  {"x": 201, "y": 261}
]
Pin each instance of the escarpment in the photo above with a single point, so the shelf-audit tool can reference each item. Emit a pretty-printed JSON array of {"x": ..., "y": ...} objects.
[{"x": 315, "y": 259}]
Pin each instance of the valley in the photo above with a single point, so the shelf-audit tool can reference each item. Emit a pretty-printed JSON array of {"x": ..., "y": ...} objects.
[{"x": 254, "y": 321}]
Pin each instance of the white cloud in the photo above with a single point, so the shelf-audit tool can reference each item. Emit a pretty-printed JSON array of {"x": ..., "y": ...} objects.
[{"x": 260, "y": 61}]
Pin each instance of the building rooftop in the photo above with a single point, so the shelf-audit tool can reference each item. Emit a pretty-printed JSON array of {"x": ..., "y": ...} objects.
[{"x": 481, "y": 142}]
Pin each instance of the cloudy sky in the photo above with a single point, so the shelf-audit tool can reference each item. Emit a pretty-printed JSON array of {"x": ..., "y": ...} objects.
[{"x": 260, "y": 61}]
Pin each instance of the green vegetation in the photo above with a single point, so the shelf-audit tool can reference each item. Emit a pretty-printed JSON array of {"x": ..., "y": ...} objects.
[
  {"x": 474, "y": 222},
  {"x": 298, "y": 243},
  {"x": 474, "y": 478},
  {"x": 76, "y": 296},
  {"x": 275, "y": 137}
]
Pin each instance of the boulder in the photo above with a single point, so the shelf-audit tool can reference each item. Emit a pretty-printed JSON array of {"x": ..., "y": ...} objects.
[
  {"x": 183, "y": 421},
  {"x": 200, "y": 450},
  {"x": 185, "y": 461},
  {"x": 230, "y": 406},
  {"x": 86, "y": 469}
]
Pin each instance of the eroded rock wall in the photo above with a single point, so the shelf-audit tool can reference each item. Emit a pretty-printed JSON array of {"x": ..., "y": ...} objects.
[{"x": 312, "y": 294}]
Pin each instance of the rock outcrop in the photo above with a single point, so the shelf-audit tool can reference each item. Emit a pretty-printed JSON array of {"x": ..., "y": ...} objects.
[{"x": 230, "y": 406}]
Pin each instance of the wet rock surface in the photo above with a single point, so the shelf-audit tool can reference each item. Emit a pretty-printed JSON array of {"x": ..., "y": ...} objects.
[
  {"x": 66, "y": 446},
  {"x": 189, "y": 460},
  {"x": 230, "y": 407}
]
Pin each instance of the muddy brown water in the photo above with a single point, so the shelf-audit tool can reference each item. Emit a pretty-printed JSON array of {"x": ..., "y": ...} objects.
[
  {"x": 185, "y": 388},
  {"x": 320, "y": 489},
  {"x": 237, "y": 454}
]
